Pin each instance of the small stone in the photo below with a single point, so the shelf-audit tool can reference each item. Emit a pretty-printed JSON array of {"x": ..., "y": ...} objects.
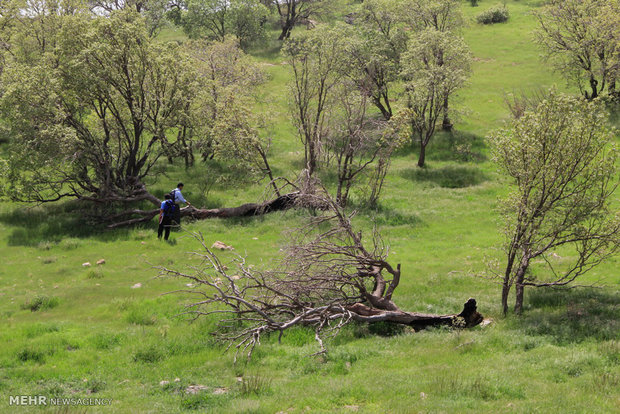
[
  {"x": 486, "y": 322},
  {"x": 239, "y": 379},
  {"x": 222, "y": 246},
  {"x": 177, "y": 380},
  {"x": 352, "y": 407},
  {"x": 195, "y": 389},
  {"x": 136, "y": 286},
  {"x": 164, "y": 382},
  {"x": 189, "y": 285},
  {"x": 254, "y": 238},
  {"x": 100, "y": 261},
  {"x": 86, "y": 264},
  {"x": 97, "y": 284},
  {"x": 422, "y": 395},
  {"x": 220, "y": 390},
  {"x": 235, "y": 277}
]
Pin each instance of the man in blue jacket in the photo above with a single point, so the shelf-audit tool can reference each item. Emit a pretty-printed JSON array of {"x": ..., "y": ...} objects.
[{"x": 166, "y": 214}]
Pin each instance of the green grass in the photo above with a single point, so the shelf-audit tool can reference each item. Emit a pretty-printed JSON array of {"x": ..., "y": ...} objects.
[{"x": 94, "y": 334}]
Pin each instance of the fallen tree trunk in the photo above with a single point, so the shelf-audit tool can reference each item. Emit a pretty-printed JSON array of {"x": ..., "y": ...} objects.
[
  {"x": 467, "y": 318},
  {"x": 280, "y": 203},
  {"x": 327, "y": 279},
  {"x": 283, "y": 202}
]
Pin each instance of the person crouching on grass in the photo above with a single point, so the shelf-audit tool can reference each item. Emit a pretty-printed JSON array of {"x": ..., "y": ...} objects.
[{"x": 166, "y": 213}]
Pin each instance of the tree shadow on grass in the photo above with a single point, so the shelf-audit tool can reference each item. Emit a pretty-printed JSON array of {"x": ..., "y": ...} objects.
[
  {"x": 268, "y": 50},
  {"x": 52, "y": 223},
  {"x": 382, "y": 215},
  {"x": 572, "y": 316},
  {"x": 453, "y": 176},
  {"x": 455, "y": 146}
]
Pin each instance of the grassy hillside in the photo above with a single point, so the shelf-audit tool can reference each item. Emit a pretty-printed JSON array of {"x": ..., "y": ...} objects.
[{"x": 76, "y": 331}]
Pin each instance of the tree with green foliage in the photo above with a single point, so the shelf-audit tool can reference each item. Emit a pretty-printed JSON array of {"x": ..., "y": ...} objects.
[
  {"x": 228, "y": 81},
  {"x": 374, "y": 46},
  {"x": 153, "y": 11},
  {"x": 225, "y": 124},
  {"x": 441, "y": 15},
  {"x": 28, "y": 39},
  {"x": 581, "y": 39},
  {"x": 561, "y": 158},
  {"x": 435, "y": 65},
  {"x": 293, "y": 12},
  {"x": 316, "y": 60},
  {"x": 357, "y": 145},
  {"x": 217, "y": 19},
  {"x": 89, "y": 119}
]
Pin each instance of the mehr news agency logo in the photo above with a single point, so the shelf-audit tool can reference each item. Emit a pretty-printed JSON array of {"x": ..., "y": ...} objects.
[{"x": 44, "y": 400}]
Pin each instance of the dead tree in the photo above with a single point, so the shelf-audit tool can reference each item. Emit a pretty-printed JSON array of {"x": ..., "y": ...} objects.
[
  {"x": 357, "y": 145},
  {"x": 327, "y": 279}
]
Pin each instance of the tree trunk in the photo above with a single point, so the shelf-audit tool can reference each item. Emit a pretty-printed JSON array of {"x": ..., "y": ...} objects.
[
  {"x": 612, "y": 90},
  {"x": 505, "y": 292},
  {"x": 422, "y": 156},
  {"x": 520, "y": 287},
  {"x": 284, "y": 202},
  {"x": 519, "y": 298},
  {"x": 446, "y": 124},
  {"x": 311, "y": 158},
  {"x": 286, "y": 32},
  {"x": 470, "y": 316},
  {"x": 594, "y": 87},
  {"x": 386, "y": 111}
]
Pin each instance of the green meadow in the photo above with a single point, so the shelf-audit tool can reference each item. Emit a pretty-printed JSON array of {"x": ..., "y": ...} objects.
[{"x": 111, "y": 331}]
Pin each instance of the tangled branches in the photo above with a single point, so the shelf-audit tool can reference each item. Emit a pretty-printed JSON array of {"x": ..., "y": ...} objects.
[{"x": 327, "y": 279}]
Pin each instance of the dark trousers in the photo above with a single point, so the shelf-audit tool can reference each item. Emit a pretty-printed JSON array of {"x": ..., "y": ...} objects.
[
  {"x": 176, "y": 216},
  {"x": 164, "y": 225}
]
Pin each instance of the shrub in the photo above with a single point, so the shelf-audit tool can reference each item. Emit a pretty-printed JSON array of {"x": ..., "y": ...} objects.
[
  {"x": 29, "y": 354},
  {"x": 45, "y": 245},
  {"x": 40, "y": 302},
  {"x": 149, "y": 355},
  {"x": 48, "y": 260},
  {"x": 103, "y": 340},
  {"x": 95, "y": 274},
  {"x": 70, "y": 243},
  {"x": 497, "y": 14},
  {"x": 254, "y": 384}
]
